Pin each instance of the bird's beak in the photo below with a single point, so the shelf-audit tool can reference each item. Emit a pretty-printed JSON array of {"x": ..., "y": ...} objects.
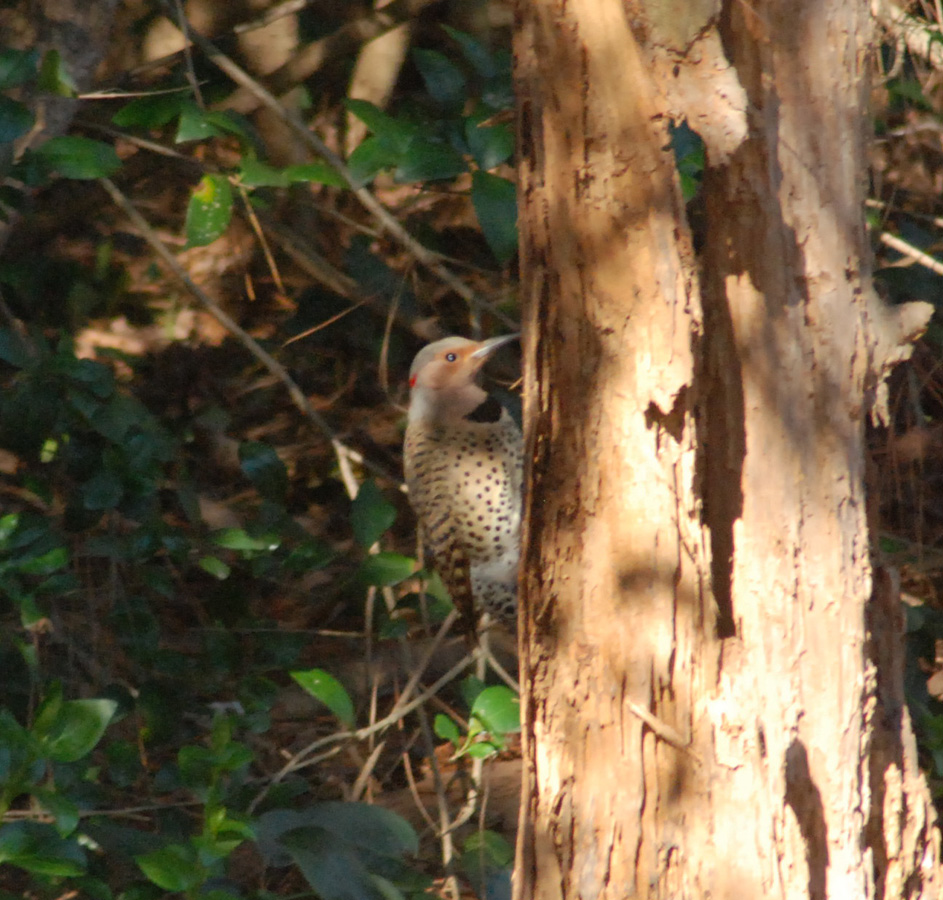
[{"x": 486, "y": 348}]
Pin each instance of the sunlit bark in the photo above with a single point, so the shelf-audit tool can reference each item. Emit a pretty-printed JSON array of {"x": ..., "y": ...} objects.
[{"x": 702, "y": 715}]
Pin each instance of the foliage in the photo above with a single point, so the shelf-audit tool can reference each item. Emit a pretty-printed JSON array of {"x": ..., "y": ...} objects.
[
  {"x": 69, "y": 156},
  {"x": 110, "y": 507},
  {"x": 494, "y": 714},
  {"x": 487, "y": 859},
  {"x": 441, "y": 141}
]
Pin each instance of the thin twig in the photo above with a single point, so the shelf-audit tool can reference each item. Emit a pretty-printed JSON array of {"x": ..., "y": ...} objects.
[
  {"x": 500, "y": 671},
  {"x": 360, "y": 784},
  {"x": 184, "y": 27},
  {"x": 427, "y": 658},
  {"x": 414, "y": 791},
  {"x": 130, "y": 95},
  {"x": 260, "y": 234},
  {"x": 273, "y": 14},
  {"x": 326, "y": 323},
  {"x": 442, "y": 803},
  {"x": 143, "y": 143},
  {"x": 911, "y": 252},
  {"x": 309, "y": 259},
  {"x": 661, "y": 729}
]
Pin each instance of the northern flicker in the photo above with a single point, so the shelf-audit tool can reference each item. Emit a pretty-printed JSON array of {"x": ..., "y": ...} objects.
[{"x": 463, "y": 457}]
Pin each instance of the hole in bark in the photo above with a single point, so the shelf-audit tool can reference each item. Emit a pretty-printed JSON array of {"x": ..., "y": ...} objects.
[{"x": 721, "y": 442}]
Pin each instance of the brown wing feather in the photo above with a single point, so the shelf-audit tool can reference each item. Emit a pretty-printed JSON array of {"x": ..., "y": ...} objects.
[
  {"x": 453, "y": 567},
  {"x": 450, "y": 560}
]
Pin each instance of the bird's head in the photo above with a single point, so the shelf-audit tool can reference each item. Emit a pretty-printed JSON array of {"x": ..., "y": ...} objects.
[{"x": 442, "y": 378}]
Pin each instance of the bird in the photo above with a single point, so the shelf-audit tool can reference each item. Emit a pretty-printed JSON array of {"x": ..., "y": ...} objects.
[{"x": 463, "y": 457}]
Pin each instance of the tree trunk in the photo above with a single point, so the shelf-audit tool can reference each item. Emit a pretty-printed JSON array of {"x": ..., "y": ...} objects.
[{"x": 705, "y": 712}]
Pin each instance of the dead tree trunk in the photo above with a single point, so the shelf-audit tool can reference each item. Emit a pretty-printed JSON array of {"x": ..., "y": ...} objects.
[{"x": 704, "y": 712}]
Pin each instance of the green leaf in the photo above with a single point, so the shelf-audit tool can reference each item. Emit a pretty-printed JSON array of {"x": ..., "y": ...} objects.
[
  {"x": 79, "y": 157},
  {"x": 115, "y": 419},
  {"x": 435, "y": 588},
  {"x": 470, "y": 687},
  {"x": 308, "y": 556},
  {"x": 14, "y": 349},
  {"x": 394, "y": 134},
  {"x": 491, "y": 145},
  {"x": 318, "y": 173},
  {"x": 495, "y": 201},
  {"x": 264, "y": 469},
  {"x": 227, "y": 120},
  {"x": 340, "y": 847},
  {"x": 195, "y": 765},
  {"x": 45, "y": 563},
  {"x": 370, "y": 158},
  {"x": 49, "y": 710},
  {"x": 475, "y": 52},
  {"x": 444, "y": 81},
  {"x": 195, "y": 124},
  {"x": 239, "y": 539},
  {"x": 124, "y": 763},
  {"x": 498, "y": 709},
  {"x": 689, "y": 159},
  {"x": 325, "y": 687},
  {"x": 254, "y": 173},
  {"x": 173, "y": 868},
  {"x": 19, "y": 750},
  {"x": 426, "y": 160},
  {"x": 37, "y": 847},
  {"x": 481, "y": 750},
  {"x": 446, "y": 729},
  {"x": 365, "y": 825},
  {"x": 371, "y": 514},
  {"x": 209, "y": 210},
  {"x": 151, "y": 112},
  {"x": 487, "y": 860},
  {"x": 99, "y": 379},
  {"x": 102, "y": 491},
  {"x": 8, "y": 525},
  {"x": 910, "y": 90},
  {"x": 492, "y": 846},
  {"x": 214, "y": 566},
  {"x": 54, "y": 77},
  {"x": 332, "y": 868},
  {"x": 76, "y": 729},
  {"x": 15, "y": 119},
  {"x": 233, "y": 756},
  {"x": 386, "y": 569},
  {"x": 16, "y": 67},
  {"x": 61, "y": 808}
]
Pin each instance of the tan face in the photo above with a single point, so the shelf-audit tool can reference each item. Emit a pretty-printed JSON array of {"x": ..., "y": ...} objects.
[{"x": 444, "y": 364}]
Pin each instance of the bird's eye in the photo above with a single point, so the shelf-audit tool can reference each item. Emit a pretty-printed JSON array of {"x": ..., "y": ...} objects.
[{"x": 451, "y": 357}]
